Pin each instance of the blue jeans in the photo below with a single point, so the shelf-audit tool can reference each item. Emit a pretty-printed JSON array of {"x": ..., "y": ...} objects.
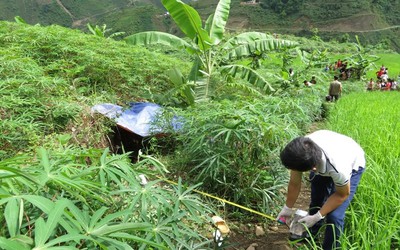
[{"x": 321, "y": 188}]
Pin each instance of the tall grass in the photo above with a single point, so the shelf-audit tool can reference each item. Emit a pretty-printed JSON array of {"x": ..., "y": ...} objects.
[
  {"x": 372, "y": 119},
  {"x": 50, "y": 76}
]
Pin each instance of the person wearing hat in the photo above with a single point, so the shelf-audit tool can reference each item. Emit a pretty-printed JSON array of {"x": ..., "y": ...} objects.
[{"x": 336, "y": 163}]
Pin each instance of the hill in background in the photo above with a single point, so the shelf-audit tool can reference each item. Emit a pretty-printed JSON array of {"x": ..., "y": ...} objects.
[{"x": 374, "y": 21}]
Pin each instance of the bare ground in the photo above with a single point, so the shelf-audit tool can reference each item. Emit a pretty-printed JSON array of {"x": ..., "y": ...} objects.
[{"x": 275, "y": 237}]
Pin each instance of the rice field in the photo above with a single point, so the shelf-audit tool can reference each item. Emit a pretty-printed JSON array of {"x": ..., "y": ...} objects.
[{"x": 372, "y": 119}]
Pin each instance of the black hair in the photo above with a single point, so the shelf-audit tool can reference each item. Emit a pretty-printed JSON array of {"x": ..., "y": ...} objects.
[
  {"x": 335, "y": 77},
  {"x": 301, "y": 154}
]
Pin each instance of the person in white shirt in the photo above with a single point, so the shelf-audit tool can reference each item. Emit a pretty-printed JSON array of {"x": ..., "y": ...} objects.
[{"x": 336, "y": 163}]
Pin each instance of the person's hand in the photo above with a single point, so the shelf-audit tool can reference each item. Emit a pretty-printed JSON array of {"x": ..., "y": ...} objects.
[
  {"x": 286, "y": 212},
  {"x": 310, "y": 220}
]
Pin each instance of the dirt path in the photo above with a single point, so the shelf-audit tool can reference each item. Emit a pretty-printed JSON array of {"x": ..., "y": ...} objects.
[
  {"x": 361, "y": 23},
  {"x": 76, "y": 23},
  {"x": 276, "y": 236},
  {"x": 65, "y": 9},
  {"x": 79, "y": 22}
]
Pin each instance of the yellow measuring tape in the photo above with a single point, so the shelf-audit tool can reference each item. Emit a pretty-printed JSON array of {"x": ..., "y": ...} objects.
[{"x": 226, "y": 201}]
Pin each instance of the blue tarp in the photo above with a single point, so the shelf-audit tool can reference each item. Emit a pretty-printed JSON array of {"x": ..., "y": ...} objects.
[{"x": 137, "y": 118}]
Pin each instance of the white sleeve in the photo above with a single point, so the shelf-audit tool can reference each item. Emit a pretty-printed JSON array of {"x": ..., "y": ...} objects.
[{"x": 339, "y": 178}]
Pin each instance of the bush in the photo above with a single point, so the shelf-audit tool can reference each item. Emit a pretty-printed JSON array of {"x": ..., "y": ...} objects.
[{"x": 232, "y": 147}]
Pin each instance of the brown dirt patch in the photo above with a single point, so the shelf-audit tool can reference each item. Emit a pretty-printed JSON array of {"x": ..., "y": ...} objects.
[
  {"x": 276, "y": 236},
  {"x": 238, "y": 23},
  {"x": 357, "y": 23}
]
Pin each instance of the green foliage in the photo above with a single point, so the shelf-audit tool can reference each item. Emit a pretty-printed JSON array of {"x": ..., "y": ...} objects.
[
  {"x": 101, "y": 31},
  {"x": 288, "y": 16},
  {"x": 20, "y": 20},
  {"x": 367, "y": 225},
  {"x": 361, "y": 62},
  {"x": 50, "y": 76},
  {"x": 208, "y": 44},
  {"x": 76, "y": 197},
  {"x": 71, "y": 198},
  {"x": 278, "y": 6},
  {"x": 232, "y": 146},
  {"x": 136, "y": 19}
]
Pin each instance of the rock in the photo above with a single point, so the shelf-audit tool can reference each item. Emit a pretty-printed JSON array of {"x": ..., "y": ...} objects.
[
  {"x": 252, "y": 246},
  {"x": 274, "y": 228},
  {"x": 259, "y": 231}
]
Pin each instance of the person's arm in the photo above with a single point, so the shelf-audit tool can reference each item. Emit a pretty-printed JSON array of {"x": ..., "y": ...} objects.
[
  {"x": 336, "y": 199},
  {"x": 294, "y": 188}
]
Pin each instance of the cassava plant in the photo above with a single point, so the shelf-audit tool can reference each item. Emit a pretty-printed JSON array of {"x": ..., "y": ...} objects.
[
  {"x": 232, "y": 146},
  {"x": 71, "y": 198}
]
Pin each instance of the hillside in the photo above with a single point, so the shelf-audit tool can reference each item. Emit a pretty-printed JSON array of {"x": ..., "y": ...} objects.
[
  {"x": 58, "y": 171},
  {"x": 374, "y": 21}
]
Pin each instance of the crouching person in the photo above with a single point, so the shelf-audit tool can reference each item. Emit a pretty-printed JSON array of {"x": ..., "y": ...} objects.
[{"x": 335, "y": 164}]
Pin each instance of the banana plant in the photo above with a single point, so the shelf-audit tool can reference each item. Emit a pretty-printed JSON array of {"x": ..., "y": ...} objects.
[
  {"x": 361, "y": 61},
  {"x": 213, "y": 52}
]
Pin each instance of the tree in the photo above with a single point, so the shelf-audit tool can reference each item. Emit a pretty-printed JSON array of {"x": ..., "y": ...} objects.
[
  {"x": 361, "y": 61},
  {"x": 211, "y": 49}
]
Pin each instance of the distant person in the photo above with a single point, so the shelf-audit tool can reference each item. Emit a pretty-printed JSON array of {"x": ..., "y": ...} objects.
[
  {"x": 291, "y": 72},
  {"x": 388, "y": 85},
  {"x": 382, "y": 85},
  {"x": 379, "y": 84},
  {"x": 307, "y": 83},
  {"x": 379, "y": 73},
  {"x": 394, "y": 85},
  {"x": 385, "y": 77},
  {"x": 349, "y": 71},
  {"x": 313, "y": 81},
  {"x": 370, "y": 85},
  {"x": 335, "y": 89},
  {"x": 338, "y": 64}
]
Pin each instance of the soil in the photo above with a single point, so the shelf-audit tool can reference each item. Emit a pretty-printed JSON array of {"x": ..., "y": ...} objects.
[
  {"x": 361, "y": 23},
  {"x": 275, "y": 237}
]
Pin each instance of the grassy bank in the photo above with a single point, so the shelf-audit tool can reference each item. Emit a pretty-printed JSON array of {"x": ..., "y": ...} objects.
[{"x": 373, "y": 220}]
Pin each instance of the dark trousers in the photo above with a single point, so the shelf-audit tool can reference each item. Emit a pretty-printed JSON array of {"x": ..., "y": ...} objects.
[
  {"x": 334, "y": 97},
  {"x": 321, "y": 188}
]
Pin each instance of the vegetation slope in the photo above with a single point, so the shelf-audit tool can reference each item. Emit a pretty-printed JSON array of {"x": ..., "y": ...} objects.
[
  {"x": 51, "y": 76},
  {"x": 375, "y": 22}
]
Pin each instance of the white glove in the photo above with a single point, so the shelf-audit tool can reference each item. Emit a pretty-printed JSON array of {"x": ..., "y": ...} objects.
[
  {"x": 310, "y": 220},
  {"x": 286, "y": 212}
]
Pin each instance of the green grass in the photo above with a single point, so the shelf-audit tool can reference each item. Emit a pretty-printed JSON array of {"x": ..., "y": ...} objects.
[
  {"x": 50, "y": 76},
  {"x": 371, "y": 118},
  {"x": 391, "y": 61}
]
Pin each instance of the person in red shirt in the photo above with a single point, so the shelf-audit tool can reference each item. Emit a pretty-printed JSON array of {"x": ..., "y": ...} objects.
[
  {"x": 338, "y": 64},
  {"x": 379, "y": 73},
  {"x": 388, "y": 85}
]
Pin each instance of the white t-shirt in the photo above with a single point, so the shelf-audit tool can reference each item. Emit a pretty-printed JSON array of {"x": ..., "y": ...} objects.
[{"x": 340, "y": 155}]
